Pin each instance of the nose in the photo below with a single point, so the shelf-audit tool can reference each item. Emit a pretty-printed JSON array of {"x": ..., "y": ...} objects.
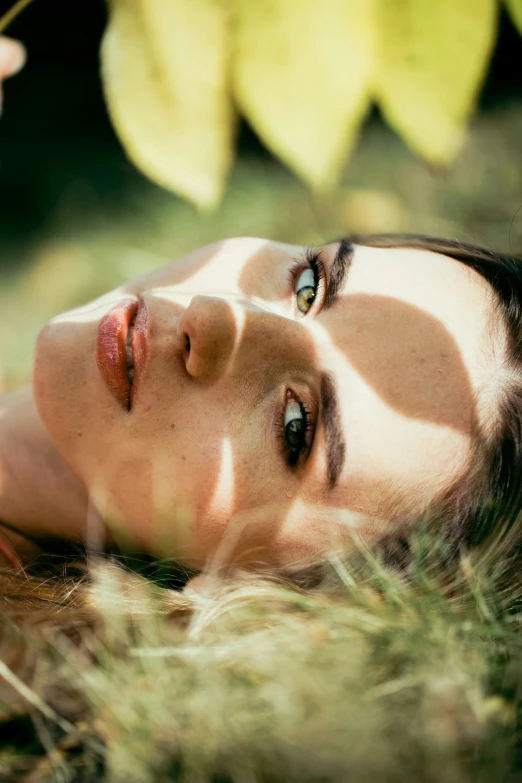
[{"x": 207, "y": 329}]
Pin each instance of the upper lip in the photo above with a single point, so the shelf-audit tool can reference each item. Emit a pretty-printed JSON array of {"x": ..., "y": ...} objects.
[{"x": 111, "y": 354}]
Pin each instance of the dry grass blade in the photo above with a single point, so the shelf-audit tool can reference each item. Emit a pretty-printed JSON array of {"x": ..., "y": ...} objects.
[{"x": 30, "y": 696}]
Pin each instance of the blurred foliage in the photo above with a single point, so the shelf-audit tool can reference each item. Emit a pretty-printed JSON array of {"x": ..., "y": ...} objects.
[
  {"x": 301, "y": 74},
  {"x": 165, "y": 68},
  {"x": 515, "y": 8},
  {"x": 304, "y": 74},
  {"x": 431, "y": 63}
]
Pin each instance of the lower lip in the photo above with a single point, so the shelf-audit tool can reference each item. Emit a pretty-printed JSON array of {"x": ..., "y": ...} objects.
[{"x": 111, "y": 355}]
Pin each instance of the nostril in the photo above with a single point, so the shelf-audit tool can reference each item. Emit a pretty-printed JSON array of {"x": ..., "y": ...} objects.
[{"x": 204, "y": 336}]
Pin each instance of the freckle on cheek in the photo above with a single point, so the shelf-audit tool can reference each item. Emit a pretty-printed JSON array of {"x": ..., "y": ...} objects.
[{"x": 172, "y": 426}]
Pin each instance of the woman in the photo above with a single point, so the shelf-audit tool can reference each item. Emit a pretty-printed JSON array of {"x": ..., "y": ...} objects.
[
  {"x": 270, "y": 404},
  {"x": 267, "y": 404}
]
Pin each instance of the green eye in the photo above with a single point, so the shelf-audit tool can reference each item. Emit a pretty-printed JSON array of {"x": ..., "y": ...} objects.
[{"x": 305, "y": 291}]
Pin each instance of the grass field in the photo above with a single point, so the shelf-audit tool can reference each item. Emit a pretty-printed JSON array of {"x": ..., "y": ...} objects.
[{"x": 370, "y": 678}]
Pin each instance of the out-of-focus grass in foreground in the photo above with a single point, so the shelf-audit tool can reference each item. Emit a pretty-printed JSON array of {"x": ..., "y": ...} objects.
[{"x": 369, "y": 678}]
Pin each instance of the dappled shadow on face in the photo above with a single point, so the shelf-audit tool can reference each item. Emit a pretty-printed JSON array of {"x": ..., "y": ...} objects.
[
  {"x": 264, "y": 269},
  {"x": 179, "y": 270},
  {"x": 267, "y": 352},
  {"x": 404, "y": 354},
  {"x": 224, "y": 396},
  {"x": 408, "y": 358}
]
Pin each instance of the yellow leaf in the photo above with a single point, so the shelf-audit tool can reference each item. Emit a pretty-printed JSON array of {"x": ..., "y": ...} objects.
[
  {"x": 515, "y": 10},
  {"x": 165, "y": 76},
  {"x": 302, "y": 74},
  {"x": 433, "y": 57}
]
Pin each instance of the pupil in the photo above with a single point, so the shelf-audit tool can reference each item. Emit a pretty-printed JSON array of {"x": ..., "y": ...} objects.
[{"x": 294, "y": 434}]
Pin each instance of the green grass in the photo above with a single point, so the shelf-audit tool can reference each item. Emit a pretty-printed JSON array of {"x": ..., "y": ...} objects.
[{"x": 373, "y": 676}]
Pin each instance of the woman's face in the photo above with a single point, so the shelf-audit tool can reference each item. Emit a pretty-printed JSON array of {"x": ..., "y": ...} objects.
[{"x": 285, "y": 403}]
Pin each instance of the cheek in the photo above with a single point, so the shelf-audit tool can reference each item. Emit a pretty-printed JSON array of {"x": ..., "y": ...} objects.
[
  {"x": 78, "y": 416},
  {"x": 145, "y": 506},
  {"x": 311, "y": 533},
  {"x": 399, "y": 465},
  {"x": 285, "y": 534},
  {"x": 129, "y": 500},
  {"x": 155, "y": 489}
]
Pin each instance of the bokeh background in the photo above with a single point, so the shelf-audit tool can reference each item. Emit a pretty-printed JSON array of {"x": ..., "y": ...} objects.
[{"x": 77, "y": 218}]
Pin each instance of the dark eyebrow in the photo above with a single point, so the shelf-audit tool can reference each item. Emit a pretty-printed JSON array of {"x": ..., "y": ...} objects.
[
  {"x": 333, "y": 436},
  {"x": 338, "y": 271}
]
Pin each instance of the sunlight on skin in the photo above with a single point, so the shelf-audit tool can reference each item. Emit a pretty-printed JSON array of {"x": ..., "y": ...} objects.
[
  {"x": 472, "y": 336},
  {"x": 223, "y": 495},
  {"x": 424, "y": 432},
  {"x": 403, "y": 345},
  {"x": 91, "y": 312},
  {"x": 299, "y": 538},
  {"x": 183, "y": 299},
  {"x": 198, "y": 281},
  {"x": 157, "y": 506}
]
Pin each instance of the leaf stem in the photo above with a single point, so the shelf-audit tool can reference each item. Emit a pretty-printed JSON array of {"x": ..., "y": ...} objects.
[{"x": 13, "y": 12}]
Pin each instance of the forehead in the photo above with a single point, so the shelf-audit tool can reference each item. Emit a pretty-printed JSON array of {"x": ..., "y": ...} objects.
[
  {"x": 410, "y": 347},
  {"x": 426, "y": 293}
]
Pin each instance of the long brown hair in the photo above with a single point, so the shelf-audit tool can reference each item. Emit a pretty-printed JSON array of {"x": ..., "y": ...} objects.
[{"x": 486, "y": 502}]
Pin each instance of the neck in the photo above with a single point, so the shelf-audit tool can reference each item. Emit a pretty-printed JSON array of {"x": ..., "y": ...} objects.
[{"x": 39, "y": 494}]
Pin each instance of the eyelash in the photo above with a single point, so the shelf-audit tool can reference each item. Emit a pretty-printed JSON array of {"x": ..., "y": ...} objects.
[
  {"x": 313, "y": 260},
  {"x": 293, "y": 457}
]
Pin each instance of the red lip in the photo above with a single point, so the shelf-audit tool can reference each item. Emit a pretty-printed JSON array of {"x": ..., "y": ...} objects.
[
  {"x": 111, "y": 354},
  {"x": 139, "y": 348}
]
